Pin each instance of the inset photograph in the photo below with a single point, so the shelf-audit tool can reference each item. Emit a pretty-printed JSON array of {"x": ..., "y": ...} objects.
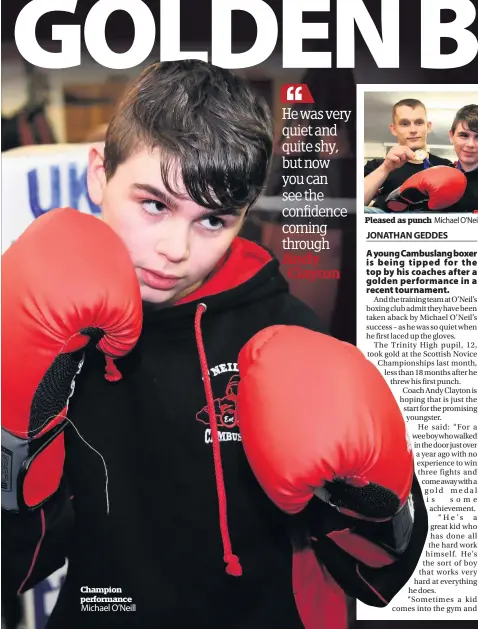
[{"x": 420, "y": 150}]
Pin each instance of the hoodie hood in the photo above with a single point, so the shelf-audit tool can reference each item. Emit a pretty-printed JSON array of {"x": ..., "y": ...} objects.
[
  {"x": 244, "y": 260},
  {"x": 248, "y": 272}
]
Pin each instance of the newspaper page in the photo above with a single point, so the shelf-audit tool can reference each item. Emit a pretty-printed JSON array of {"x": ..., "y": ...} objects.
[
  {"x": 418, "y": 322},
  {"x": 295, "y": 163}
]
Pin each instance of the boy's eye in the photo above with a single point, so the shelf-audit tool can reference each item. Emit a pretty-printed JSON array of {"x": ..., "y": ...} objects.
[
  {"x": 152, "y": 207},
  {"x": 212, "y": 223}
]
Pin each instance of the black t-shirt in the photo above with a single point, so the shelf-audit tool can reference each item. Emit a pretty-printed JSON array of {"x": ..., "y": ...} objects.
[
  {"x": 398, "y": 176},
  {"x": 469, "y": 201}
]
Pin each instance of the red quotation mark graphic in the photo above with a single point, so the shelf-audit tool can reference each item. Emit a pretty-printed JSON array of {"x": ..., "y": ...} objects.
[{"x": 296, "y": 93}]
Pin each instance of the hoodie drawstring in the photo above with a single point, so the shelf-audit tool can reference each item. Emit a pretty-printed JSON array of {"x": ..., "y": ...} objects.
[
  {"x": 233, "y": 567},
  {"x": 112, "y": 373}
]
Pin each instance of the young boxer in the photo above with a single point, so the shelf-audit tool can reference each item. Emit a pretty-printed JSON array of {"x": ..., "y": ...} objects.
[{"x": 174, "y": 424}]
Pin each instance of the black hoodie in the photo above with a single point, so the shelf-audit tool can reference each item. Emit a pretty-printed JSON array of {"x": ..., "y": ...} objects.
[
  {"x": 153, "y": 529},
  {"x": 137, "y": 515}
]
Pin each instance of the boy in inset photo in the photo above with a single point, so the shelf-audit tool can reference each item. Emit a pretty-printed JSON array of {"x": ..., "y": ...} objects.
[{"x": 464, "y": 137}]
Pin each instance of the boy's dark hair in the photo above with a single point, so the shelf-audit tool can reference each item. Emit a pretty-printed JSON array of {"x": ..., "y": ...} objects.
[
  {"x": 407, "y": 102},
  {"x": 468, "y": 116},
  {"x": 204, "y": 119}
]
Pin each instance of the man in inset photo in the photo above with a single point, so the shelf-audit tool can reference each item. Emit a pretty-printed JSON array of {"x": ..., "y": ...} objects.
[{"x": 410, "y": 125}]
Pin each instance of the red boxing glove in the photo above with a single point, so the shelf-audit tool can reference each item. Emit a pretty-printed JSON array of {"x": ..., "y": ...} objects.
[
  {"x": 67, "y": 280},
  {"x": 435, "y": 188},
  {"x": 317, "y": 417}
]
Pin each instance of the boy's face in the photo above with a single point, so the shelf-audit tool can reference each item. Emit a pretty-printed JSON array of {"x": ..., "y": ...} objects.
[
  {"x": 173, "y": 242},
  {"x": 410, "y": 127},
  {"x": 465, "y": 143}
]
